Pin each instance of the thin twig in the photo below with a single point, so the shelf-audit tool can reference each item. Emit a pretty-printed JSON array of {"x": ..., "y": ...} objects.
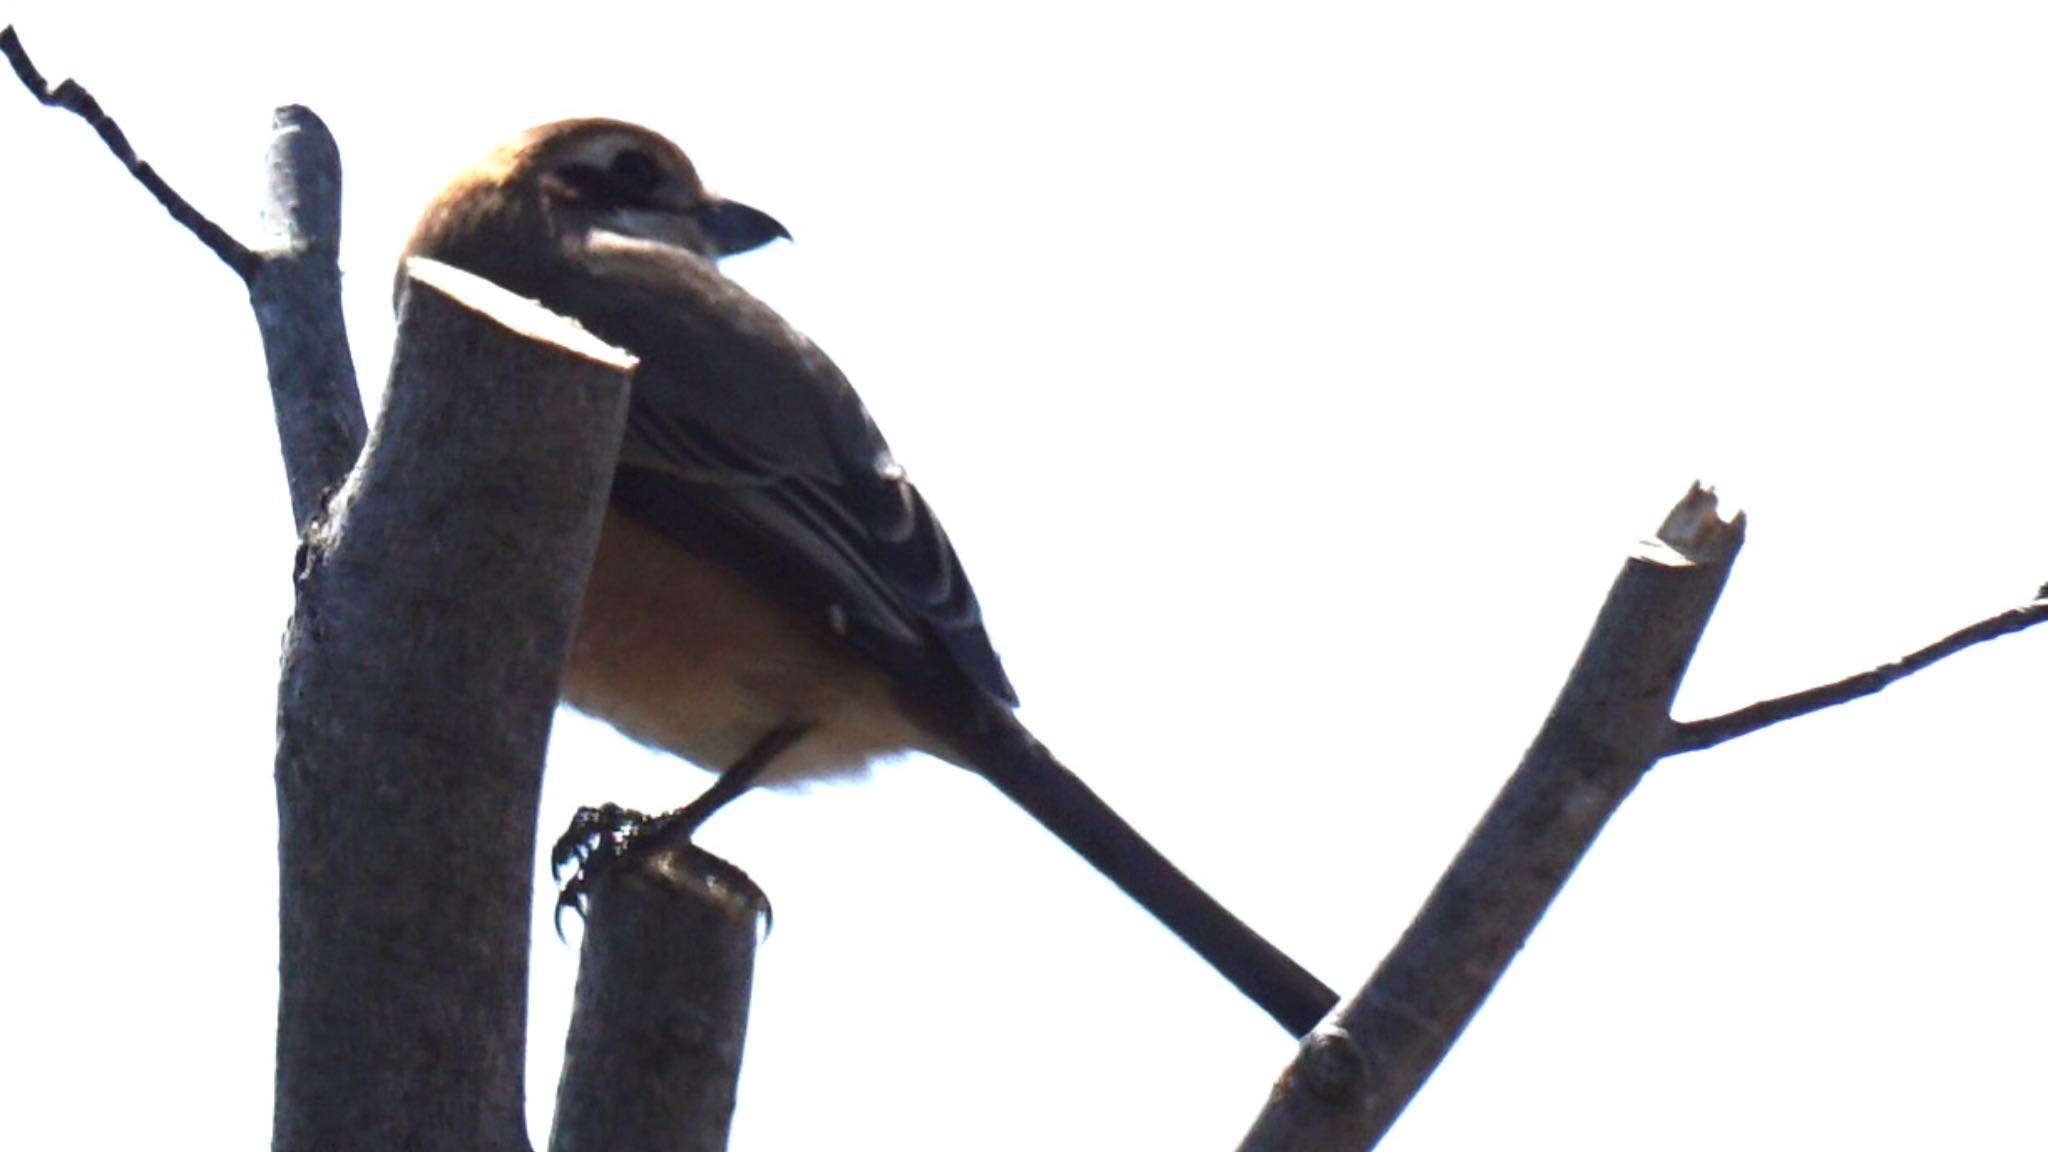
[
  {"x": 1694, "y": 735},
  {"x": 72, "y": 97}
]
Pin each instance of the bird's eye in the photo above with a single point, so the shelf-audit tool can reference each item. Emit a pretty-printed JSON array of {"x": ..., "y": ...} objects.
[
  {"x": 630, "y": 179},
  {"x": 635, "y": 169}
]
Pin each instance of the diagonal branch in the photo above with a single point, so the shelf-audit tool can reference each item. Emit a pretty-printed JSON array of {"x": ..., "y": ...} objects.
[
  {"x": 294, "y": 282},
  {"x": 72, "y": 97},
  {"x": 1362, "y": 1065},
  {"x": 1694, "y": 735}
]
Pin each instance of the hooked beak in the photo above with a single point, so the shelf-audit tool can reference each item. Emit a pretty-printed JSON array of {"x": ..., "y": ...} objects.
[{"x": 734, "y": 227}]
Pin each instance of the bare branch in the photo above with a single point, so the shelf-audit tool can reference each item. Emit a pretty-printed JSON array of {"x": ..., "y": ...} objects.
[
  {"x": 295, "y": 290},
  {"x": 653, "y": 1056},
  {"x": 73, "y": 98},
  {"x": 436, "y": 597},
  {"x": 1694, "y": 735},
  {"x": 1359, "y": 1069},
  {"x": 294, "y": 287}
]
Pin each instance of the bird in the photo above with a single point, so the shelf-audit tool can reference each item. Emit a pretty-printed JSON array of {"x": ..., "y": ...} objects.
[{"x": 772, "y": 599}]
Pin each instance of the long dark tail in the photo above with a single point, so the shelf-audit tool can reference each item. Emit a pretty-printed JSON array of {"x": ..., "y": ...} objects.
[{"x": 1019, "y": 766}]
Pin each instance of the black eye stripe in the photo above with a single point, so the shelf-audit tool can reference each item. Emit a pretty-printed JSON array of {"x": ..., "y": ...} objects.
[
  {"x": 636, "y": 168},
  {"x": 628, "y": 182}
]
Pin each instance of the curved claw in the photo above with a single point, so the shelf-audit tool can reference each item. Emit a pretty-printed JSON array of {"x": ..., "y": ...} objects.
[{"x": 571, "y": 896}]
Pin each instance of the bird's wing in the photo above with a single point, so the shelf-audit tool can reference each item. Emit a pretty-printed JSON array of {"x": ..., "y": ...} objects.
[{"x": 745, "y": 443}]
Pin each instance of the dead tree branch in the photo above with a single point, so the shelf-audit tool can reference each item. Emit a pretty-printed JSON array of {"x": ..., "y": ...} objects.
[
  {"x": 72, "y": 97},
  {"x": 1694, "y": 735},
  {"x": 413, "y": 718},
  {"x": 436, "y": 596},
  {"x": 1361, "y": 1067},
  {"x": 662, "y": 992},
  {"x": 294, "y": 285}
]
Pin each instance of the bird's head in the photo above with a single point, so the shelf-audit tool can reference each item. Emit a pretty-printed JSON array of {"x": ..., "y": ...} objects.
[{"x": 562, "y": 183}]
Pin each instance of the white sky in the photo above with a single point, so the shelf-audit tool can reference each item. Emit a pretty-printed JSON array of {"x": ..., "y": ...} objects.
[{"x": 1293, "y": 385}]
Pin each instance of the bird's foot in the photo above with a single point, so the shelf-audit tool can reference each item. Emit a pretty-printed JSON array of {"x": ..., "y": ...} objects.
[
  {"x": 597, "y": 832},
  {"x": 601, "y": 839}
]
